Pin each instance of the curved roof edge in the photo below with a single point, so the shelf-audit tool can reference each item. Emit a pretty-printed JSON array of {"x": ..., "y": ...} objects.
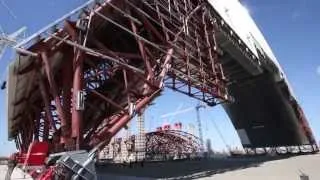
[{"x": 239, "y": 18}]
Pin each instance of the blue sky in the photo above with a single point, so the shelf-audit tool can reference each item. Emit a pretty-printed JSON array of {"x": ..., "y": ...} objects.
[
  {"x": 290, "y": 26},
  {"x": 292, "y": 30}
]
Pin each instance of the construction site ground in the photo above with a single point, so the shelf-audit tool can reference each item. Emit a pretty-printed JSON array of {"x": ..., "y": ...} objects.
[
  {"x": 249, "y": 168},
  {"x": 253, "y": 168}
]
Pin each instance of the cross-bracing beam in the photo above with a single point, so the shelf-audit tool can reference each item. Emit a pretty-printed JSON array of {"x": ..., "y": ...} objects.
[{"x": 100, "y": 70}]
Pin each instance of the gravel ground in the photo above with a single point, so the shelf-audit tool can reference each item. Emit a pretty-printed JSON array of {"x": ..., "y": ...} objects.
[
  {"x": 17, "y": 174},
  {"x": 286, "y": 169},
  {"x": 261, "y": 168}
]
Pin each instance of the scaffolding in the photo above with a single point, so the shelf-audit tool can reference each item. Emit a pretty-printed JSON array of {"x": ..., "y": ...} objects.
[
  {"x": 163, "y": 44},
  {"x": 140, "y": 143}
]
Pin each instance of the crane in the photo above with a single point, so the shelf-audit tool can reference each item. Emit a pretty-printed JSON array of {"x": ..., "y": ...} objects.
[
  {"x": 198, "y": 107},
  {"x": 7, "y": 40}
]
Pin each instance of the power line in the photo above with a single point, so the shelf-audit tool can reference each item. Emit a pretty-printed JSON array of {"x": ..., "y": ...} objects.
[
  {"x": 7, "y": 40},
  {"x": 220, "y": 134},
  {"x": 8, "y": 9},
  {"x": 177, "y": 112}
]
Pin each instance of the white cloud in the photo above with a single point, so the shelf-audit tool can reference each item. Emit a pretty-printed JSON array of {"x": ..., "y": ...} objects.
[
  {"x": 300, "y": 10},
  {"x": 295, "y": 15},
  {"x": 318, "y": 70}
]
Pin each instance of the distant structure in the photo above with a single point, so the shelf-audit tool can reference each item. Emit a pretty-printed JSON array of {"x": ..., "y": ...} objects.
[
  {"x": 209, "y": 147},
  {"x": 140, "y": 142},
  {"x": 198, "y": 119},
  {"x": 199, "y": 123},
  {"x": 10, "y": 40},
  {"x": 166, "y": 143}
]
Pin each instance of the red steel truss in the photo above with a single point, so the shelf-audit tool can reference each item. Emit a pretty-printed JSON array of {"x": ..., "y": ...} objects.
[{"x": 85, "y": 77}]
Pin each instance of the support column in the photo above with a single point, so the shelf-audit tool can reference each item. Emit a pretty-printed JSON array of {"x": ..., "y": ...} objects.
[
  {"x": 66, "y": 98},
  {"x": 53, "y": 86},
  {"x": 124, "y": 151},
  {"x": 77, "y": 87},
  {"x": 77, "y": 114}
]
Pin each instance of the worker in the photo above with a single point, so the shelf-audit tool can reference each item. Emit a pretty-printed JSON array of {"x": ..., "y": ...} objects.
[{"x": 3, "y": 85}]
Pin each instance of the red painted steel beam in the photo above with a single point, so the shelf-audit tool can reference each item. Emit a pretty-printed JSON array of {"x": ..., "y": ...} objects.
[
  {"x": 151, "y": 28},
  {"x": 77, "y": 87},
  {"x": 110, "y": 69},
  {"x": 67, "y": 72},
  {"x": 142, "y": 51},
  {"x": 77, "y": 115},
  {"x": 53, "y": 86},
  {"x": 166, "y": 67},
  {"x": 107, "y": 133},
  {"x": 46, "y": 100},
  {"x": 107, "y": 100}
]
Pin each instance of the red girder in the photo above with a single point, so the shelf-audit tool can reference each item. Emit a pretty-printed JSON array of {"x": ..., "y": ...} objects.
[{"x": 159, "y": 46}]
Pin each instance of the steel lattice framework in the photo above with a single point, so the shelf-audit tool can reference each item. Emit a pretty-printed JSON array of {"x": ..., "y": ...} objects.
[
  {"x": 81, "y": 80},
  {"x": 168, "y": 144},
  {"x": 160, "y": 145}
]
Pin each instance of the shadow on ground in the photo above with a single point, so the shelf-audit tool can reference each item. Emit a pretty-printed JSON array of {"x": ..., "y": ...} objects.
[{"x": 183, "y": 169}]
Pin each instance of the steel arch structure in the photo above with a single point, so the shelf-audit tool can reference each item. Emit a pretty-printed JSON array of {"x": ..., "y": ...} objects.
[
  {"x": 114, "y": 74},
  {"x": 80, "y": 80},
  {"x": 170, "y": 144},
  {"x": 159, "y": 146}
]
